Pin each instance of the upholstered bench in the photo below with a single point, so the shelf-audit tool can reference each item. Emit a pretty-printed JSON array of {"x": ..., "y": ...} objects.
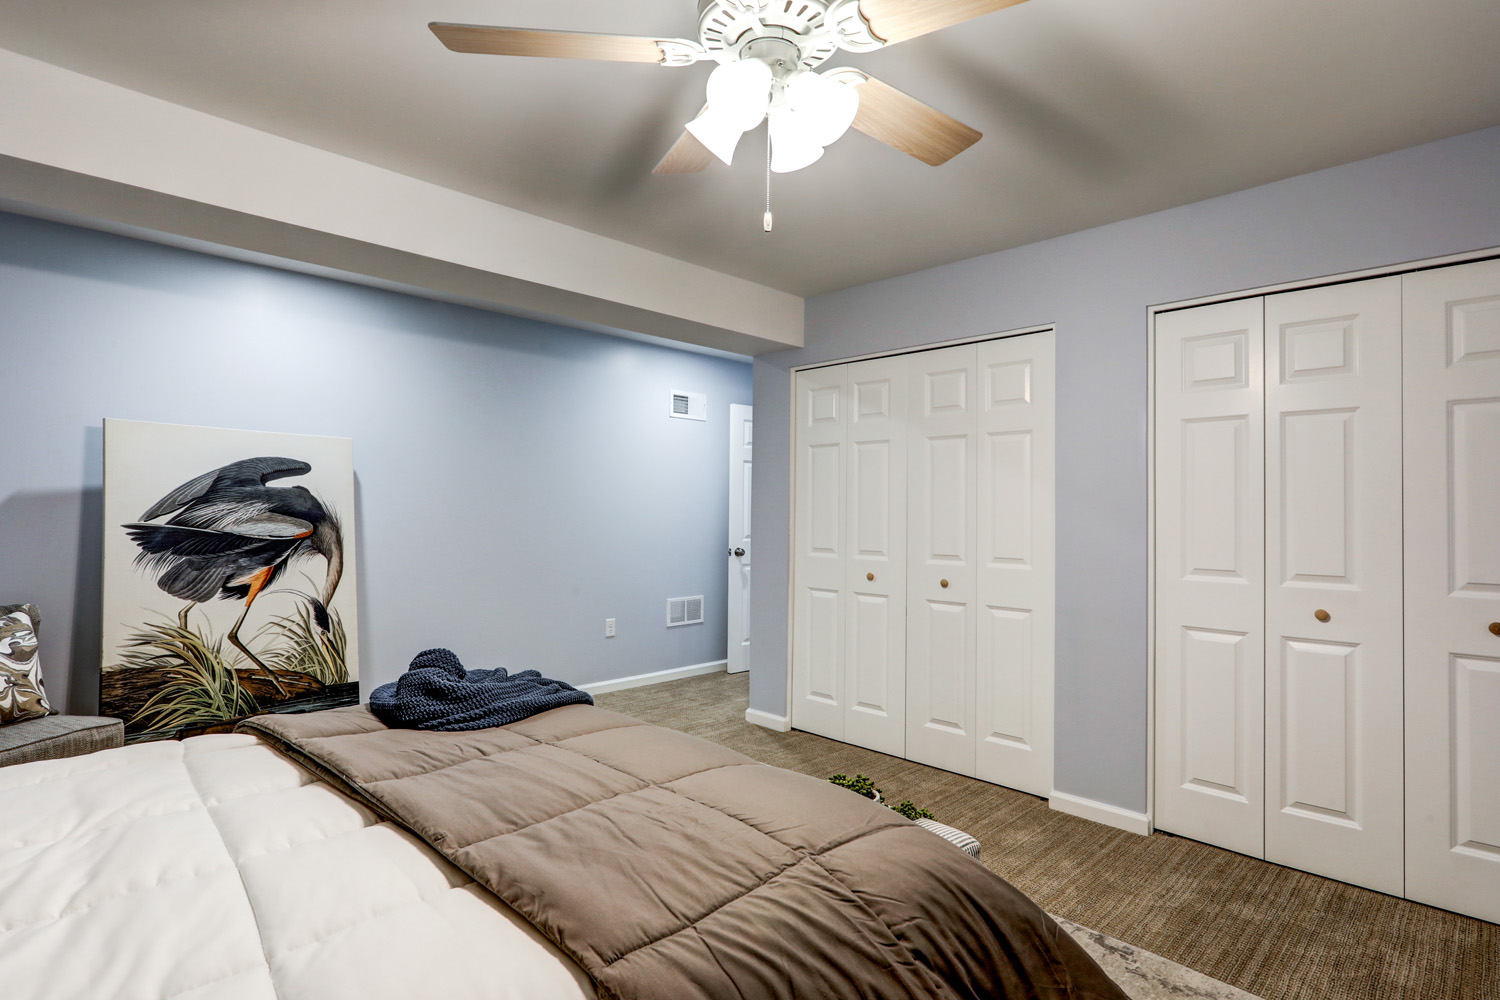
[{"x": 53, "y": 736}]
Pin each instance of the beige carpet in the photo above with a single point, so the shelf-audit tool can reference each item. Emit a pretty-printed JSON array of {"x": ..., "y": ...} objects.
[{"x": 1268, "y": 930}]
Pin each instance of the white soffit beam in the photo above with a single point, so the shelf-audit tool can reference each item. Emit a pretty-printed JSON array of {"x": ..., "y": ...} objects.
[{"x": 76, "y": 147}]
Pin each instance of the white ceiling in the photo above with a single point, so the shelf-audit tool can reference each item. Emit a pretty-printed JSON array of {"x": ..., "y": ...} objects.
[{"x": 1092, "y": 111}]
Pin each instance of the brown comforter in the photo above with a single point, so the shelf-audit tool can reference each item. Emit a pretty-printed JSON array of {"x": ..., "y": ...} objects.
[{"x": 669, "y": 867}]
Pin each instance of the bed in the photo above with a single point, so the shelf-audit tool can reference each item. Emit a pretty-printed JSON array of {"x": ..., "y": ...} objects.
[{"x": 288, "y": 862}]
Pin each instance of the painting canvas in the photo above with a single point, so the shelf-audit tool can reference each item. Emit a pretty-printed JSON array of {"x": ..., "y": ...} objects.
[{"x": 229, "y": 576}]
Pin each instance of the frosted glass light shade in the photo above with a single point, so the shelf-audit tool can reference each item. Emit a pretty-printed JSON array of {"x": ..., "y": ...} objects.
[
  {"x": 718, "y": 132},
  {"x": 824, "y": 108},
  {"x": 741, "y": 90},
  {"x": 816, "y": 113},
  {"x": 738, "y": 95},
  {"x": 791, "y": 148}
]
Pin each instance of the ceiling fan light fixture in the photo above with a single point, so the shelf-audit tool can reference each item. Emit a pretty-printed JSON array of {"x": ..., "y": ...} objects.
[
  {"x": 738, "y": 95},
  {"x": 741, "y": 90},
  {"x": 793, "y": 143},
  {"x": 719, "y": 133},
  {"x": 790, "y": 148},
  {"x": 823, "y": 108},
  {"x": 812, "y": 113},
  {"x": 763, "y": 48}
]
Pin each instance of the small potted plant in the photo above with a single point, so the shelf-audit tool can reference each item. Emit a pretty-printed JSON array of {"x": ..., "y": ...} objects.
[{"x": 861, "y": 785}]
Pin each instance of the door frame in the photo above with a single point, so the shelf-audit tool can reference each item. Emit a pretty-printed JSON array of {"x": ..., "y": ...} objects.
[
  {"x": 791, "y": 542},
  {"x": 1406, "y": 267},
  {"x": 737, "y": 412}
]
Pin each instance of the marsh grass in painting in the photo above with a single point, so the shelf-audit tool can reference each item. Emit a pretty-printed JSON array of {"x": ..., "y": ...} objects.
[
  {"x": 193, "y": 683},
  {"x": 198, "y": 684},
  {"x": 300, "y": 646}
]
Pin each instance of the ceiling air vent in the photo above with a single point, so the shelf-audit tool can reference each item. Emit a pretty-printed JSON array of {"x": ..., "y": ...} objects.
[
  {"x": 689, "y": 405},
  {"x": 684, "y": 611}
]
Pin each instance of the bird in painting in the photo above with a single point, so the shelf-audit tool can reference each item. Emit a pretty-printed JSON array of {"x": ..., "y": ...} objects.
[{"x": 232, "y": 536}]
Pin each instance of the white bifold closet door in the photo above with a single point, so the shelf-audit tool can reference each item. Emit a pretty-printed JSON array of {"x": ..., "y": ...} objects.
[
  {"x": 941, "y": 554},
  {"x": 1210, "y": 584},
  {"x": 1278, "y": 529},
  {"x": 923, "y": 557},
  {"x": 1452, "y": 507},
  {"x": 875, "y": 575},
  {"x": 980, "y": 561},
  {"x": 849, "y": 605},
  {"x": 1015, "y": 588},
  {"x": 819, "y": 600},
  {"x": 1373, "y": 507},
  {"x": 1333, "y": 709}
]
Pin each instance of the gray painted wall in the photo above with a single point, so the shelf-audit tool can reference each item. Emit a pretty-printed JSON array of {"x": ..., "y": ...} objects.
[
  {"x": 1096, "y": 286},
  {"x": 517, "y": 482}
]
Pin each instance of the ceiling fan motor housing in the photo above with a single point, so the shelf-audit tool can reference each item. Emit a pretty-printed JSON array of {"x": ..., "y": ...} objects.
[{"x": 786, "y": 34}]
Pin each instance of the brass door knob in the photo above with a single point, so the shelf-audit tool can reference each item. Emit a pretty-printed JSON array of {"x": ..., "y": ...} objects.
[
  {"x": 869, "y": 576},
  {"x": 1321, "y": 615},
  {"x": 1494, "y": 628},
  {"x": 944, "y": 582}
]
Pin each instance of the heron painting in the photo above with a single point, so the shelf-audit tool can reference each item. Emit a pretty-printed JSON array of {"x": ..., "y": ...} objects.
[{"x": 228, "y": 591}]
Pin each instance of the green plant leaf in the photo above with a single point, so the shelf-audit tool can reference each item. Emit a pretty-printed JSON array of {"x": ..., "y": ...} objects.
[
  {"x": 910, "y": 811},
  {"x": 858, "y": 784}
]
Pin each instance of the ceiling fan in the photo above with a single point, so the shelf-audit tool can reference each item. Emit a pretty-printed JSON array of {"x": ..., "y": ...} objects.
[{"x": 767, "y": 51}]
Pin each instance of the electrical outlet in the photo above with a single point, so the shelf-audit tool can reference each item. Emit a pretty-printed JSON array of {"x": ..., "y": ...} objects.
[{"x": 609, "y": 628}]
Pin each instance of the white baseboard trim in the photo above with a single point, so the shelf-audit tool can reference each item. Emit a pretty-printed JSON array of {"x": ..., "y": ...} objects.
[
  {"x": 766, "y": 720},
  {"x": 655, "y": 677},
  {"x": 1100, "y": 812}
]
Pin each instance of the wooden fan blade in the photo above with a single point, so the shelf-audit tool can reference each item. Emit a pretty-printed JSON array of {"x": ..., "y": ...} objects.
[
  {"x": 687, "y": 156},
  {"x": 907, "y": 124},
  {"x": 555, "y": 44},
  {"x": 897, "y": 20}
]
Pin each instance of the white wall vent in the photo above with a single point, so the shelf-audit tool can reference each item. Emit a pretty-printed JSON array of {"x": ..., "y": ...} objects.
[
  {"x": 689, "y": 405},
  {"x": 684, "y": 611}
]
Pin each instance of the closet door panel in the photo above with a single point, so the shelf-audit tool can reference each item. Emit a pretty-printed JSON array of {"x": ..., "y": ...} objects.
[
  {"x": 821, "y": 604},
  {"x": 1210, "y": 587},
  {"x": 1333, "y": 756},
  {"x": 1451, "y": 330},
  {"x": 1214, "y": 688},
  {"x": 1015, "y": 565},
  {"x": 941, "y": 462},
  {"x": 875, "y": 579}
]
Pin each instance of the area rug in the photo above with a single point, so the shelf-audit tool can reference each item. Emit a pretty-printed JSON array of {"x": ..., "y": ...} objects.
[{"x": 1146, "y": 976}]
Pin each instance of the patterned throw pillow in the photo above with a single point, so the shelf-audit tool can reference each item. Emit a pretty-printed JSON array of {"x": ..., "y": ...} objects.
[{"x": 21, "y": 694}]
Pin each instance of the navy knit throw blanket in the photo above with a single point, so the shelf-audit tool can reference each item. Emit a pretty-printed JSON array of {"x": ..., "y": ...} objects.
[{"x": 436, "y": 692}]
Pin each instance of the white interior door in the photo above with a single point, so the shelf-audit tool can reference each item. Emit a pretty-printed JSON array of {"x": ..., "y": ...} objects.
[
  {"x": 875, "y": 580},
  {"x": 1333, "y": 712},
  {"x": 818, "y": 563},
  {"x": 1210, "y": 587},
  {"x": 941, "y": 579},
  {"x": 1015, "y": 568},
  {"x": 741, "y": 442},
  {"x": 1451, "y": 329}
]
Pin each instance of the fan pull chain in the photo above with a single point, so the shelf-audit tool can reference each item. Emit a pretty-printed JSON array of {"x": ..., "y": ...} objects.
[{"x": 766, "y": 222}]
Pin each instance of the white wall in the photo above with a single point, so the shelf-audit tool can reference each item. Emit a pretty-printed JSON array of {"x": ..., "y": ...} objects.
[
  {"x": 1095, "y": 287},
  {"x": 516, "y": 482}
]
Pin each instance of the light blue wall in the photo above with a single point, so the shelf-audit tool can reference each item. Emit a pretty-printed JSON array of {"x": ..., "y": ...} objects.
[
  {"x": 517, "y": 482},
  {"x": 1096, "y": 286}
]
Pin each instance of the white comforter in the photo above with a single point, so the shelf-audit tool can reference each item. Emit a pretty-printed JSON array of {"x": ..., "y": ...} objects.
[{"x": 215, "y": 868}]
